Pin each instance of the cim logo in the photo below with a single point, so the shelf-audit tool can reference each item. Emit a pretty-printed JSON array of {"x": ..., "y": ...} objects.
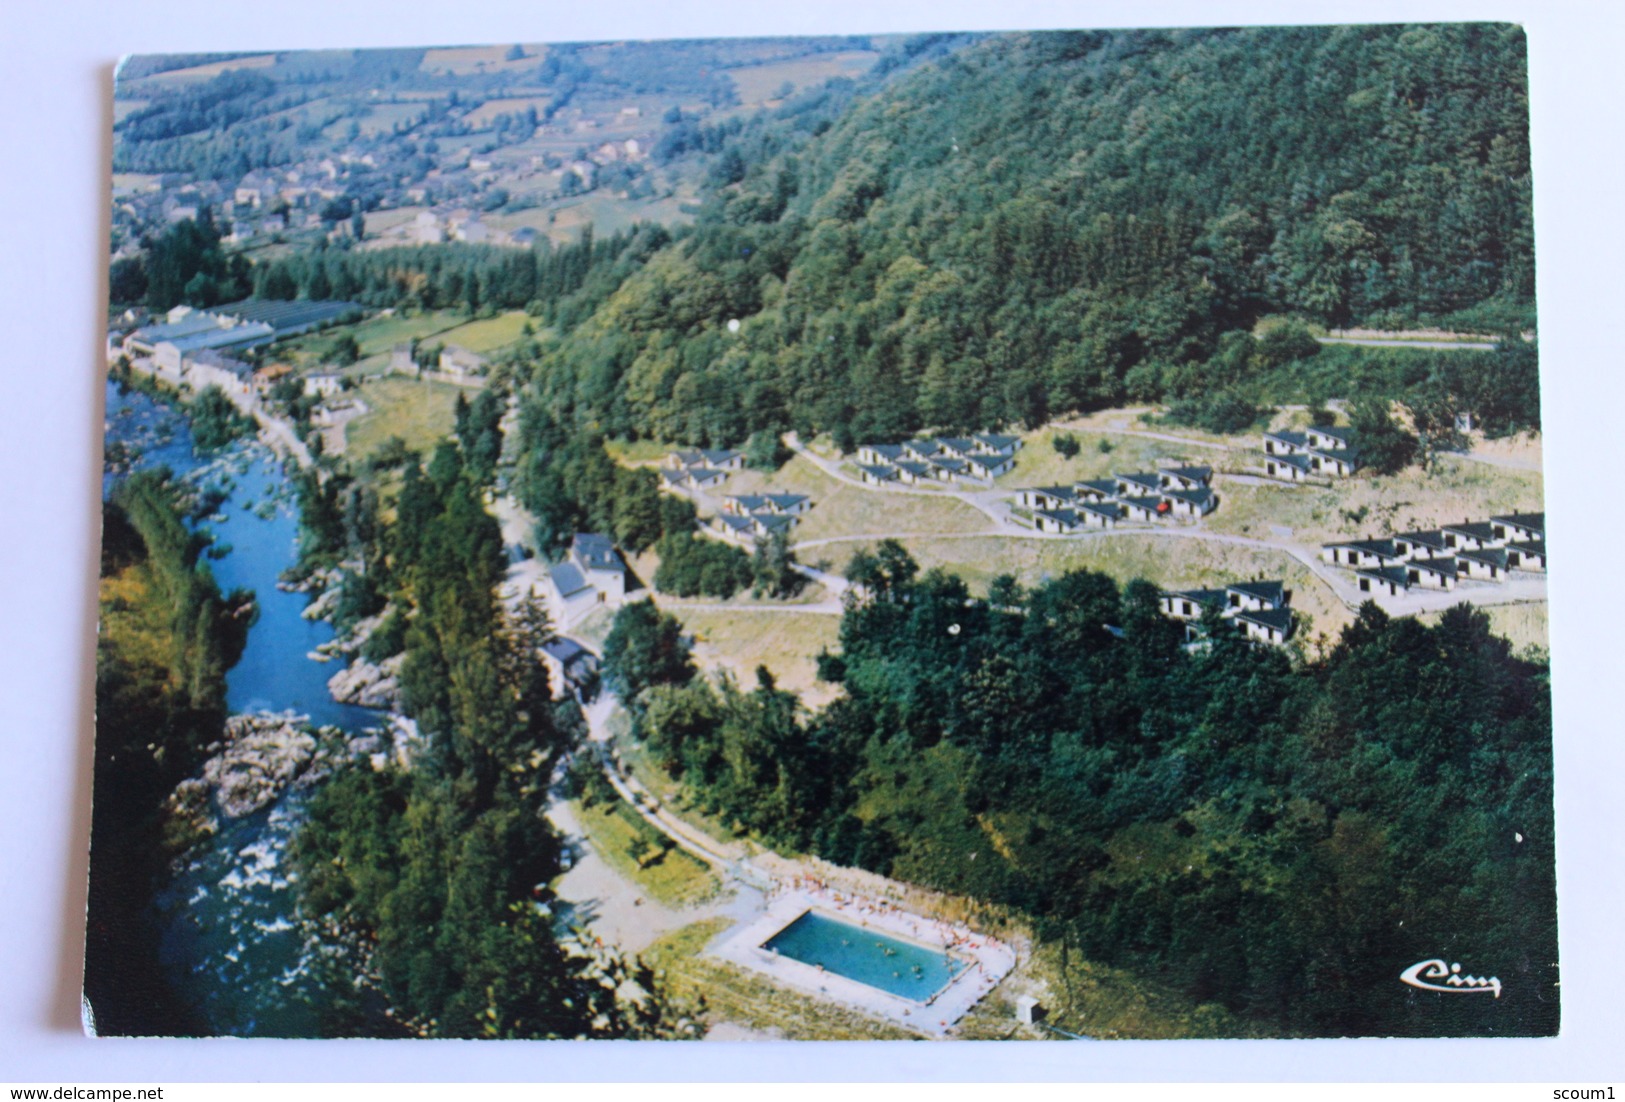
[{"x": 1422, "y": 973}]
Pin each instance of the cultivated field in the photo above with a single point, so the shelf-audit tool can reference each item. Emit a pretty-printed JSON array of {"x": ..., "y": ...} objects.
[
  {"x": 463, "y": 60},
  {"x": 419, "y": 412},
  {"x": 785, "y": 642},
  {"x": 760, "y": 83},
  {"x": 486, "y": 112},
  {"x": 376, "y": 336}
]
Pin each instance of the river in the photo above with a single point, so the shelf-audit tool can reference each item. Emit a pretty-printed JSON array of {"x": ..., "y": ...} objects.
[{"x": 231, "y": 942}]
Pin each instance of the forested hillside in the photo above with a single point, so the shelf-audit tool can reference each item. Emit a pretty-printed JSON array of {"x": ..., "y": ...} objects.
[
  {"x": 1280, "y": 838},
  {"x": 1038, "y": 223}
]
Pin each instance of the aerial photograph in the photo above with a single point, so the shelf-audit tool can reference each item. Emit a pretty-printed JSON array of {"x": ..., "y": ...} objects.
[{"x": 969, "y": 536}]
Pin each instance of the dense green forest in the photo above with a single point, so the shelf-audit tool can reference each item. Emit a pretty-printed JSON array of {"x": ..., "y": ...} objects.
[
  {"x": 1041, "y": 223},
  {"x": 167, "y": 638},
  {"x": 437, "y": 868},
  {"x": 1279, "y": 836}
]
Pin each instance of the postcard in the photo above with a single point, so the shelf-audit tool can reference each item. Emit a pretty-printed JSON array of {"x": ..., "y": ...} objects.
[{"x": 961, "y": 536}]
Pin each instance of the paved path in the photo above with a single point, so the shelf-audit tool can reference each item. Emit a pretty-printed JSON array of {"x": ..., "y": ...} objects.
[{"x": 1376, "y": 342}]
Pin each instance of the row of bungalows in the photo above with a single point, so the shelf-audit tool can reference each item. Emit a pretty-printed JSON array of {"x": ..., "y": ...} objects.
[
  {"x": 980, "y": 457},
  {"x": 1107, "y": 502},
  {"x": 1318, "y": 450},
  {"x": 698, "y": 469},
  {"x": 1437, "y": 558},
  {"x": 1258, "y": 607},
  {"x": 749, "y": 517}
]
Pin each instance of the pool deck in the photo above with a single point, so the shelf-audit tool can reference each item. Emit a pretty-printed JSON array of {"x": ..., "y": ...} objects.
[{"x": 990, "y": 960}]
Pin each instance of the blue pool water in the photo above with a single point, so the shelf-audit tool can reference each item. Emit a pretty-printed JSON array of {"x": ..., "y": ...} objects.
[{"x": 867, "y": 956}]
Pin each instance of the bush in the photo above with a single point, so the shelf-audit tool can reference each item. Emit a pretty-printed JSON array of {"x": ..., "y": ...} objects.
[{"x": 1066, "y": 445}]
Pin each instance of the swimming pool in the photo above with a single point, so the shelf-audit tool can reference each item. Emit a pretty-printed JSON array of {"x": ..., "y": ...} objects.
[{"x": 898, "y": 967}]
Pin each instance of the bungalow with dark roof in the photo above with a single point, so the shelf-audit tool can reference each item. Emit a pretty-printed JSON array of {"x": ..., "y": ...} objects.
[
  {"x": 1056, "y": 521},
  {"x": 876, "y": 474},
  {"x": 1437, "y": 573},
  {"x": 1485, "y": 563},
  {"x": 1470, "y": 536},
  {"x": 1328, "y": 437},
  {"x": 1284, "y": 442},
  {"x": 1048, "y": 497},
  {"x": 1292, "y": 468},
  {"x": 740, "y": 528},
  {"x": 1340, "y": 462},
  {"x": 1185, "y": 478},
  {"x": 1099, "y": 489},
  {"x": 720, "y": 459},
  {"x": 1139, "y": 483},
  {"x": 673, "y": 482},
  {"x": 912, "y": 473},
  {"x": 1256, "y": 595},
  {"x": 1519, "y": 527},
  {"x": 705, "y": 478},
  {"x": 1266, "y": 625},
  {"x": 991, "y": 443},
  {"x": 989, "y": 465},
  {"x": 1100, "y": 514},
  {"x": 1145, "y": 508},
  {"x": 877, "y": 454},
  {"x": 1420, "y": 545},
  {"x": 572, "y": 670},
  {"x": 1190, "y": 604},
  {"x": 1526, "y": 555},
  {"x": 947, "y": 468},
  {"x": 1191, "y": 503},
  {"x": 1384, "y": 579},
  {"x": 595, "y": 556},
  {"x": 1358, "y": 553}
]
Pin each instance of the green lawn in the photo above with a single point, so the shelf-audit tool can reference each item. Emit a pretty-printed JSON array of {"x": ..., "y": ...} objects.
[
  {"x": 421, "y": 413},
  {"x": 733, "y": 994},
  {"x": 1039, "y": 464},
  {"x": 488, "y": 334},
  {"x": 642, "y": 854},
  {"x": 760, "y": 83}
]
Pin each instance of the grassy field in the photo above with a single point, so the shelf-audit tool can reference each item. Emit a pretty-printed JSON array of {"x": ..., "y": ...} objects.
[
  {"x": 636, "y": 453},
  {"x": 733, "y": 994},
  {"x": 488, "y": 334},
  {"x": 841, "y": 509},
  {"x": 381, "y": 221},
  {"x": 786, "y": 643},
  {"x": 642, "y": 854},
  {"x": 381, "y": 118},
  {"x": 376, "y": 336},
  {"x": 421, "y": 413},
  {"x": 760, "y": 83},
  {"x": 1169, "y": 561},
  {"x": 486, "y": 112},
  {"x": 463, "y": 60},
  {"x": 1039, "y": 464},
  {"x": 1371, "y": 506},
  {"x": 1522, "y": 625}
]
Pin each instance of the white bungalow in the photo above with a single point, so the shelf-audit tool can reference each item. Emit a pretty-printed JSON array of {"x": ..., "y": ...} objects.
[
  {"x": 912, "y": 473},
  {"x": 1485, "y": 563},
  {"x": 1145, "y": 508},
  {"x": 877, "y": 474},
  {"x": 1360, "y": 553},
  {"x": 1292, "y": 468},
  {"x": 1048, "y": 497},
  {"x": 1185, "y": 478},
  {"x": 1329, "y": 437},
  {"x": 1438, "y": 573},
  {"x": 1267, "y": 625},
  {"x": 989, "y": 466},
  {"x": 1284, "y": 443},
  {"x": 1190, "y": 604},
  {"x": 1056, "y": 521},
  {"x": 1469, "y": 536},
  {"x": 1526, "y": 555},
  {"x": 1253, "y": 596},
  {"x": 1140, "y": 484},
  {"x": 1099, "y": 489},
  {"x": 1420, "y": 545},
  {"x": 1383, "y": 579},
  {"x": 1519, "y": 527},
  {"x": 1191, "y": 503},
  {"x": 1100, "y": 514},
  {"x": 1340, "y": 462},
  {"x": 878, "y": 454}
]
